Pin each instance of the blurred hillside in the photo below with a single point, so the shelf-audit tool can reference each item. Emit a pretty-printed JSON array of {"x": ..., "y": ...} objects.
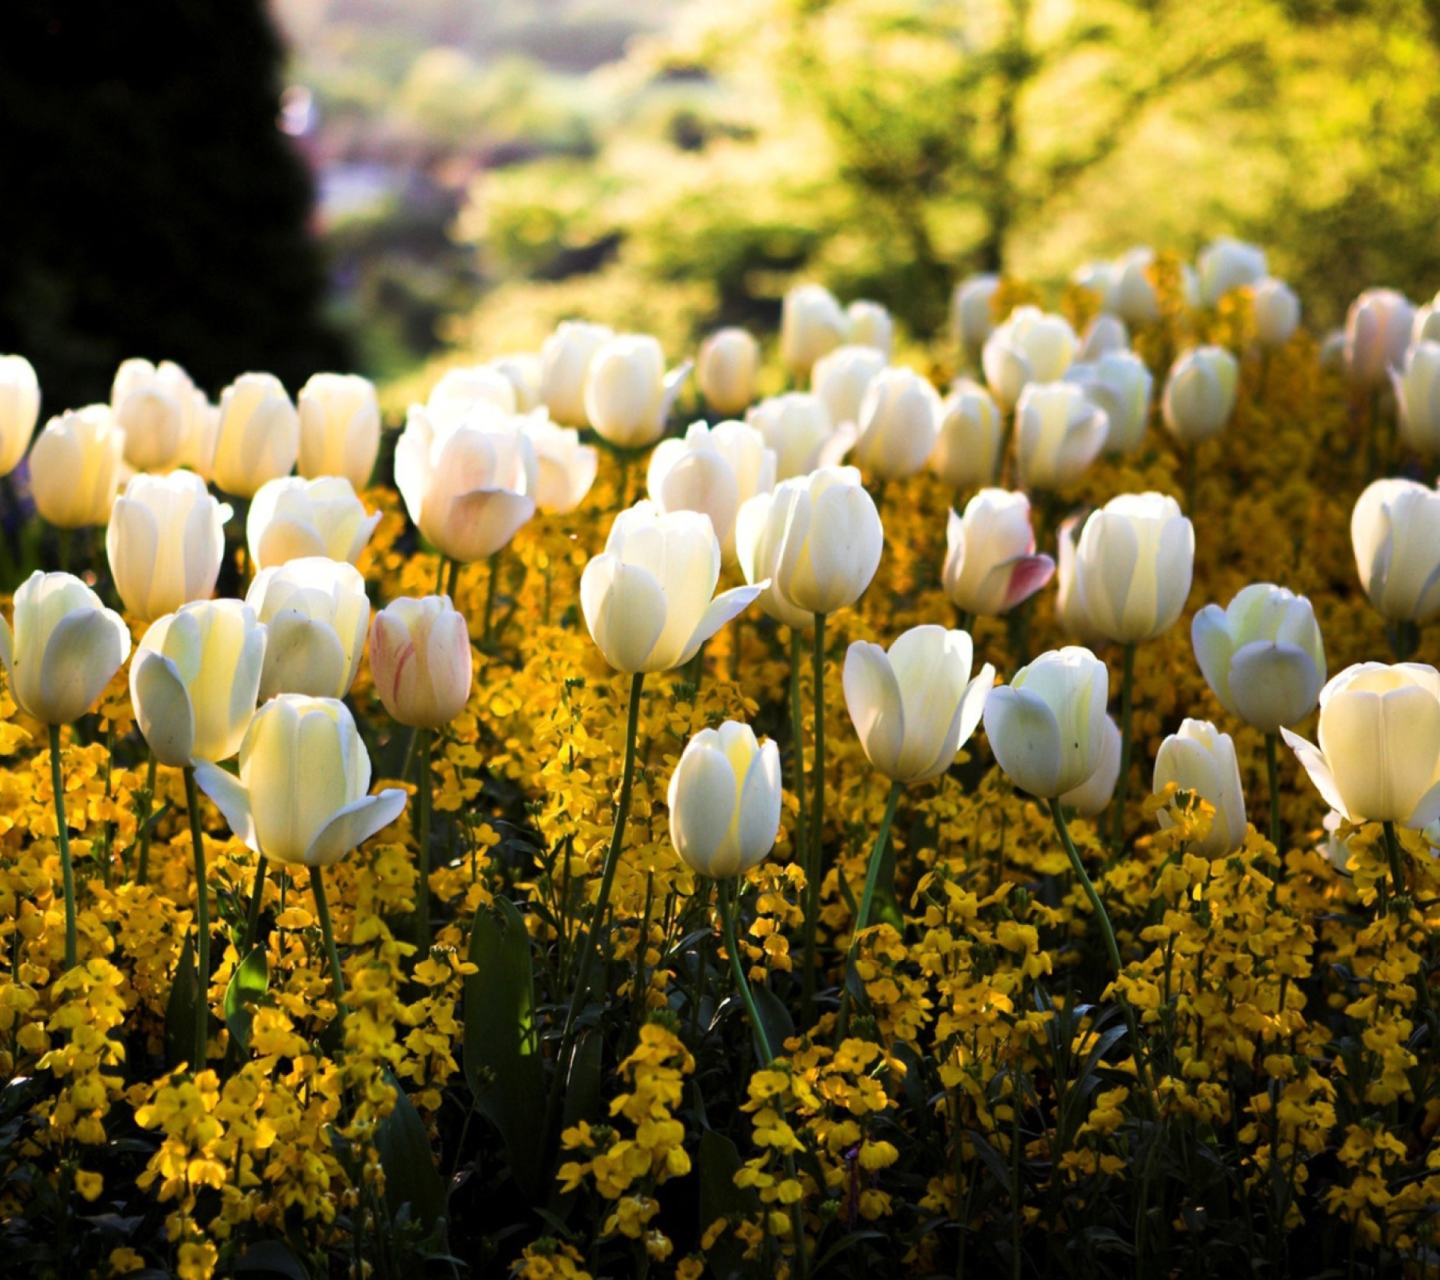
[{"x": 487, "y": 169}]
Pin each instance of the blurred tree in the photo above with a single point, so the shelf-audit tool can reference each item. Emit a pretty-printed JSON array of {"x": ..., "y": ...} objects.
[{"x": 152, "y": 206}]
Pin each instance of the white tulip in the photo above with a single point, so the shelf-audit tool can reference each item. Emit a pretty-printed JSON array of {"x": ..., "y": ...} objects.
[
  {"x": 1417, "y": 389},
  {"x": 1134, "y": 565},
  {"x": 165, "y": 543},
  {"x": 75, "y": 467},
  {"x": 811, "y": 325},
  {"x": 1069, "y": 606},
  {"x": 967, "y": 452},
  {"x": 1201, "y": 759},
  {"x": 339, "y": 427},
  {"x": 461, "y": 391},
  {"x": 1058, "y": 434},
  {"x": 154, "y": 406},
  {"x": 628, "y": 394},
  {"x": 1425, "y": 326},
  {"x": 1377, "y": 331},
  {"x": 564, "y": 363},
  {"x": 1132, "y": 295},
  {"x": 871, "y": 325},
  {"x": 1097, "y": 276},
  {"x": 1092, "y": 797},
  {"x": 725, "y": 797},
  {"x": 899, "y": 423},
  {"x": 725, "y": 370},
  {"x": 1104, "y": 334},
  {"x": 420, "y": 661},
  {"x": 525, "y": 373},
  {"x": 798, "y": 427},
  {"x": 317, "y": 614},
  {"x": 1277, "y": 313},
  {"x": 990, "y": 561},
  {"x": 712, "y": 470},
  {"x": 565, "y": 468},
  {"x": 841, "y": 377},
  {"x": 1119, "y": 383},
  {"x": 1227, "y": 264},
  {"x": 971, "y": 316},
  {"x": 19, "y": 410},
  {"x": 1030, "y": 346},
  {"x": 258, "y": 435},
  {"x": 1395, "y": 531},
  {"x": 1199, "y": 394},
  {"x": 292, "y": 518}
]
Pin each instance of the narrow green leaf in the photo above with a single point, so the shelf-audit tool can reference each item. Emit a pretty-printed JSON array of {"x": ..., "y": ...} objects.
[
  {"x": 410, "y": 1173},
  {"x": 181, "y": 1010},
  {"x": 774, "y": 1017},
  {"x": 247, "y": 987},
  {"x": 718, "y": 1163}
]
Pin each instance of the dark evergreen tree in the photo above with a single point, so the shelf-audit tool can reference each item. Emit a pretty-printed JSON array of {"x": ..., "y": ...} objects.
[{"x": 149, "y": 203}]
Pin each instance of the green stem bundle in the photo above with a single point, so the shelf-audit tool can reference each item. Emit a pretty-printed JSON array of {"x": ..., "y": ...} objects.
[
  {"x": 867, "y": 898},
  {"x": 423, "y": 785},
  {"x": 814, "y": 867},
  {"x": 202, "y": 920},
  {"x": 327, "y": 930},
  {"x": 62, "y": 829}
]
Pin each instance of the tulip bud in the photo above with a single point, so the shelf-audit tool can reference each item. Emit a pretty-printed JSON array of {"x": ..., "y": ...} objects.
[
  {"x": 712, "y": 470},
  {"x": 75, "y": 467},
  {"x": 1096, "y": 277},
  {"x": 797, "y": 426},
  {"x": 1133, "y": 566},
  {"x": 1277, "y": 313},
  {"x": 1029, "y": 347},
  {"x": 990, "y": 560},
  {"x": 1069, "y": 607},
  {"x": 1425, "y": 327},
  {"x": 1105, "y": 333},
  {"x": 564, "y": 363},
  {"x": 317, "y": 613},
  {"x": 628, "y": 394},
  {"x": 1417, "y": 390},
  {"x": 842, "y": 377},
  {"x": 461, "y": 392},
  {"x": 915, "y": 707},
  {"x": 728, "y": 362},
  {"x": 970, "y": 312},
  {"x": 646, "y": 597},
  {"x": 155, "y": 408},
  {"x": 468, "y": 489},
  {"x": 1058, "y": 434},
  {"x": 1120, "y": 384},
  {"x": 339, "y": 427},
  {"x": 871, "y": 326},
  {"x": 811, "y": 325},
  {"x": 198, "y": 451},
  {"x": 258, "y": 437},
  {"x": 523, "y": 370},
  {"x": 19, "y": 410},
  {"x": 899, "y": 423},
  {"x": 165, "y": 543},
  {"x": 725, "y": 799},
  {"x": 292, "y": 518},
  {"x": 1262, "y": 656},
  {"x": 1092, "y": 797},
  {"x": 194, "y": 681},
  {"x": 1227, "y": 264},
  {"x": 301, "y": 797},
  {"x": 1202, "y": 759},
  {"x": 64, "y": 650},
  {"x": 1132, "y": 295},
  {"x": 967, "y": 451},
  {"x": 1047, "y": 726},
  {"x": 1377, "y": 331},
  {"x": 1395, "y": 530},
  {"x": 817, "y": 539},
  {"x": 1379, "y": 753},
  {"x": 420, "y": 661},
  {"x": 1200, "y": 393},
  {"x": 565, "y": 468}
]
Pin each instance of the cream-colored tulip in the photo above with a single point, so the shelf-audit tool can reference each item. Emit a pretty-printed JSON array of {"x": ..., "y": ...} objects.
[
  {"x": 1199, "y": 396},
  {"x": 339, "y": 427},
  {"x": 916, "y": 706},
  {"x": 1103, "y": 335},
  {"x": 725, "y": 371},
  {"x": 798, "y": 426},
  {"x": 628, "y": 394},
  {"x": 1119, "y": 383},
  {"x": 899, "y": 423},
  {"x": 725, "y": 797},
  {"x": 564, "y": 363},
  {"x": 1277, "y": 313},
  {"x": 1069, "y": 607},
  {"x": 841, "y": 377},
  {"x": 712, "y": 470},
  {"x": 258, "y": 435},
  {"x": 1047, "y": 727},
  {"x": 1417, "y": 389},
  {"x": 317, "y": 613},
  {"x": 1262, "y": 656},
  {"x": 420, "y": 661},
  {"x": 525, "y": 373},
  {"x": 75, "y": 467},
  {"x": 971, "y": 315},
  {"x": 647, "y": 597},
  {"x": 1030, "y": 346},
  {"x": 811, "y": 325},
  {"x": 1059, "y": 432},
  {"x": 64, "y": 649},
  {"x": 1395, "y": 531},
  {"x": 871, "y": 325},
  {"x": 817, "y": 540},
  {"x": 990, "y": 561},
  {"x": 1201, "y": 759},
  {"x": 1332, "y": 351},
  {"x": 460, "y": 392},
  {"x": 967, "y": 452},
  {"x": 292, "y": 518},
  {"x": 155, "y": 406},
  {"x": 1227, "y": 264},
  {"x": 165, "y": 543},
  {"x": 302, "y": 797},
  {"x": 1379, "y": 753},
  {"x": 1132, "y": 293},
  {"x": 565, "y": 468},
  {"x": 1098, "y": 277},
  {"x": 1134, "y": 565},
  {"x": 1093, "y": 796},
  {"x": 468, "y": 489},
  {"x": 19, "y": 410},
  {"x": 1377, "y": 331},
  {"x": 195, "y": 680}
]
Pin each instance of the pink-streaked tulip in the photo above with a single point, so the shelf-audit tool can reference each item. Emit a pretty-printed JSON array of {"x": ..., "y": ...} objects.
[
  {"x": 75, "y": 467},
  {"x": 712, "y": 470},
  {"x": 1377, "y": 331},
  {"x": 1058, "y": 434},
  {"x": 165, "y": 543},
  {"x": 339, "y": 427},
  {"x": 420, "y": 661},
  {"x": 990, "y": 561},
  {"x": 725, "y": 371},
  {"x": 258, "y": 435},
  {"x": 1134, "y": 565},
  {"x": 967, "y": 452},
  {"x": 19, "y": 410},
  {"x": 899, "y": 423},
  {"x": 725, "y": 797},
  {"x": 64, "y": 649},
  {"x": 1395, "y": 530},
  {"x": 564, "y": 362},
  {"x": 155, "y": 406},
  {"x": 317, "y": 613},
  {"x": 1201, "y": 759},
  {"x": 565, "y": 468},
  {"x": 292, "y": 518},
  {"x": 811, "y": 325}
]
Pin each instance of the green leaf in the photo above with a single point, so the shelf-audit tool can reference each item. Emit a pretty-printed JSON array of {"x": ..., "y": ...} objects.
[
  {"x": 247, "y": 987},
  {"x": 182, "y": 1009},
  {"x": 719, "y": 1162},
  {"x": 270, "y": 1257},
  {"x": 410, "y": 1173},
  {"x": 502, "y": 1045},
  {"x": 582, "y": 1087},
  {"x": 774, "y": 1017}
]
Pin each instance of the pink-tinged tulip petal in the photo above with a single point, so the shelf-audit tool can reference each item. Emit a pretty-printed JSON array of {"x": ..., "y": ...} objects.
[{"x": 1028, "y": 574}]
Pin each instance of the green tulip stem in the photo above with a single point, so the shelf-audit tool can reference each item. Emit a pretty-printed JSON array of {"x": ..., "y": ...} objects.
[
  {"x": 327, "y": 930},
  {"x": 423, "y": 783},
  {"x": 602, "y": 904},
  {"x": 147, "y": 807},
  {"x": 1113, "y": 947},
  {"x": 202, "y": 920},
  {"x": 1392, "y": 852},
  {"x": 1127, "y": 716},
  {"x": 797, "y": 738},
  {"x": 815, "y": 853},
  {"x": 867, "y": 898},
  {"x": 440, "y": 578},
  {"x": 964, "y": 620},
  {"x": 1404, "y": 640},
  {"x": 1272, "y": 772},
  {"x": 257, "y": 898},
  {"x": 488, "y": 634},
  {"x": 452, "y": 583},
  {"x": 62, "y": 829}
]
